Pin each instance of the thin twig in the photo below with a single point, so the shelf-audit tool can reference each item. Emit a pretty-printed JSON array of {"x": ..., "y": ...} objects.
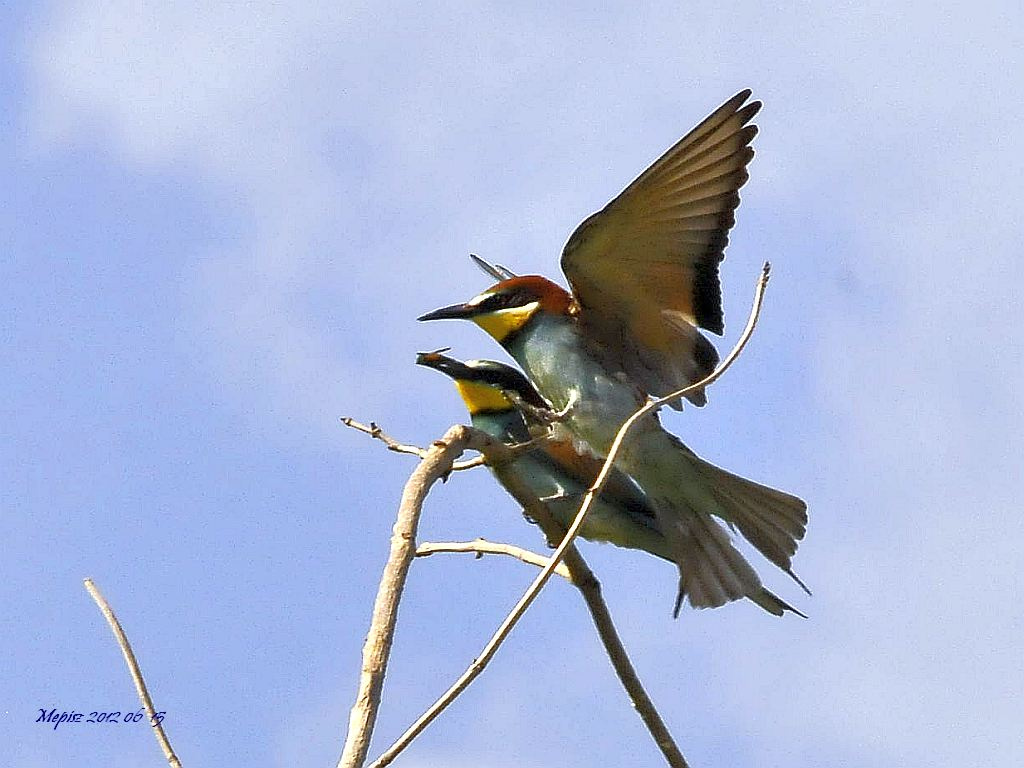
[
  {"x": 481, "y": 547},
  {"x": 436, "y": 464},
  {"x": 531, "y": 593},
  {"x": 374, "y": 431},
  {"x": 497, "y": 456},
  {"x": 136, "y": 673}
]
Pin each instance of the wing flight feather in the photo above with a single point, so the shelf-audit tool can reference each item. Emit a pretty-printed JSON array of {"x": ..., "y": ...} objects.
[{"x": 644, "y": 270}]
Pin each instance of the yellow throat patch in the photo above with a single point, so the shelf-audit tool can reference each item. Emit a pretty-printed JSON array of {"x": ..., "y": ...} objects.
[
  {"x": 482, "y": 397},
  {"x": 506, "y": 321}
]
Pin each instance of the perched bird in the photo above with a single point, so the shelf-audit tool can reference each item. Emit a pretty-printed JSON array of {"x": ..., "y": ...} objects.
[
  {"x": 644, "y": 277},
  {"x": 554, "y": 471}
]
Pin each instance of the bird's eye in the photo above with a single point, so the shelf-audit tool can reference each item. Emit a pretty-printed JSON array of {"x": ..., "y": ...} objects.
[{"x": 507, "y": 300}]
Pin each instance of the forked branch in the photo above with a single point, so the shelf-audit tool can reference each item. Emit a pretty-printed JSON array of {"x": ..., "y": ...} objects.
[
  {"x": 582, "y": 576},
  {"x": 560, "y": 552}
]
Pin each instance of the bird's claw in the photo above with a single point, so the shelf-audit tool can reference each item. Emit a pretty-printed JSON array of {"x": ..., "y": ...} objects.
[{"x": 546, "y": 416}]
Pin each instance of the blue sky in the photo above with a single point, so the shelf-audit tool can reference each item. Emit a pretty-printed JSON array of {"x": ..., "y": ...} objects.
[{"x": 218, "y": 223}]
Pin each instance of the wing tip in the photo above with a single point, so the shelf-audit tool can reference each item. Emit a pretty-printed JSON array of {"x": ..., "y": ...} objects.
[{"x": 737, "y": 103}]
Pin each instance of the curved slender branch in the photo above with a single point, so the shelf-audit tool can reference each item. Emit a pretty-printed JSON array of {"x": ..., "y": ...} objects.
[
  {"x": 531, "y": 593},
  {"x": 481, "y": 547},
  {"x": 135, "y": 671}
]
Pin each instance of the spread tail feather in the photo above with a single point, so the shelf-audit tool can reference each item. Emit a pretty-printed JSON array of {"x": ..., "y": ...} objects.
[
  {"x": 687, "y": 494},
  {"x": 690, "y": 547},
  {"x": 712, "y": 572},
  {"x": 774, "y": 604},
  {"x": 771, "y": 520}
]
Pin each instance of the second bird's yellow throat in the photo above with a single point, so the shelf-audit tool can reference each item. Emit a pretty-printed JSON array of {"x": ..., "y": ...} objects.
[
  {"x": 482, "y": 397},
  {"x": 504, "y": 322}
]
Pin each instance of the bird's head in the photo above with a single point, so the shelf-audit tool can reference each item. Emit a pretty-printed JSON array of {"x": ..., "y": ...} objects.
[
  {"x": 507, "y": 307},
  {"x": 484, "y": 384}
]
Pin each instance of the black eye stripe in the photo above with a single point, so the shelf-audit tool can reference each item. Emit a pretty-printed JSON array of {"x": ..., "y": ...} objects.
[{"x": 507, "y": 300}]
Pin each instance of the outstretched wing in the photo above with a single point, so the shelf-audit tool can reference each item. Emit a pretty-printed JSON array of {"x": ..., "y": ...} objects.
[{"x": 644, "y": 270}]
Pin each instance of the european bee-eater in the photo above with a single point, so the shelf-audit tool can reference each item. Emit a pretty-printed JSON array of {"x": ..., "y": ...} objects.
[
  {"x": 644, "y": 275},
  {"x": 554, "y": 471}
]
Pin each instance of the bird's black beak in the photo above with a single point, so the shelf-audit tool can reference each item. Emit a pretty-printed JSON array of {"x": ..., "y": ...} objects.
[
  {"x": 454, "y": 312},
  {"x": 447, "y": 365},
  {"x": 431, "y": 359}
]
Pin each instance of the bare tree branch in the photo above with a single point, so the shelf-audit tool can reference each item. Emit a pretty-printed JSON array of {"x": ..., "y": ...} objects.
[
  {"x": 583, "y": 578},
  {"x": 560, "y": 552},
  {"x": 497, "y": 455},
  {"x": 136, "y": 673},
  {"x": 590, "y": 588},
  {"x": 579, "y": 574},
  {"x": 481, "y": 547},
  {"x": 575, "y": 569},
  {"x": 374, "y": 431},
  {"x": 437, "y": 463}
]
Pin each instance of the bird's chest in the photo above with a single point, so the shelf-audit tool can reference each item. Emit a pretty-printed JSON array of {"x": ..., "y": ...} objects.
[{"x": 568, "y": 368}]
